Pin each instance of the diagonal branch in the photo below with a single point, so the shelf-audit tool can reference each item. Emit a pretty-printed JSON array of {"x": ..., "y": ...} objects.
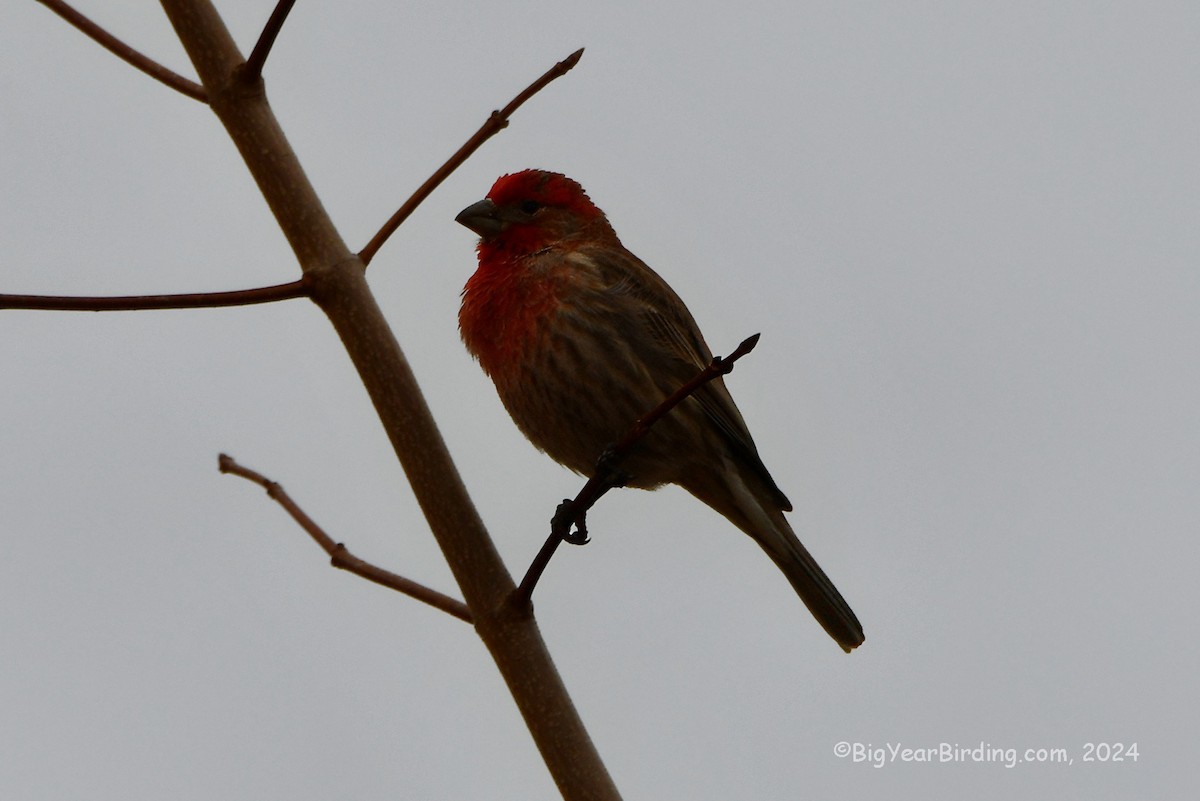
[
  {"x": 266, "y": 39},
  {"x": 496, "y": 122},
  {"x": 127, "y": 53},
  {"x": 195, "y": 300},
  {"x": 341, "y": 291},
  {"x": 607, "y": 475},
  {"x": 339, "y": 556}
]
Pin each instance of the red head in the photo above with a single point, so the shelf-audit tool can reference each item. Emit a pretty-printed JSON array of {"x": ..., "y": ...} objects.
[{"x": 529, "y": 210}]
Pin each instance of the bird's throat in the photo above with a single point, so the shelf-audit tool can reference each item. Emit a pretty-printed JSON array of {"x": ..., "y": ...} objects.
[{"x": 502, "y": 313}]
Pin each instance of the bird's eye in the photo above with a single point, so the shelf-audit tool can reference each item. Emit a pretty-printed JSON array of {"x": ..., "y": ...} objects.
[{"x": 530, "y": 206}]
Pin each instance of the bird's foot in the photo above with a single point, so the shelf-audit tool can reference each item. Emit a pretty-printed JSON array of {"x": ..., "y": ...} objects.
[{"x": 564, "y": 517}]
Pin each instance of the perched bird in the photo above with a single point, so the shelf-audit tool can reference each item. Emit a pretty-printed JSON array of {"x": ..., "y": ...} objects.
[{"x": 581, "y": 339}]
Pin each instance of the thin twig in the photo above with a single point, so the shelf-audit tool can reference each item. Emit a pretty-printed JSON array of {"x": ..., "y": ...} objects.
[
  {"x": 127, "y": 53},
  {"x": 496, "y": 122},
  {"x": 718, "y": 367},
  {"x": 339, "y": 556},
  {"x": 607, "y": 475},
  {"x": 252, "y": 70},
  {"x": 195, "y": 300}
]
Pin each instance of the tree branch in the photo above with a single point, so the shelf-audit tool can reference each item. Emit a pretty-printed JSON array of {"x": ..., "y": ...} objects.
[
  {"x": 607, "y": 475},
  {"x": 340, "y": 289},
  {"x": 340, "y": 557},
  {"x": 262, "y": 48},
  {"x": 496, "y": 122},
  {"x": 127, "y": 53},
  {"x": 196, "y": 300}
]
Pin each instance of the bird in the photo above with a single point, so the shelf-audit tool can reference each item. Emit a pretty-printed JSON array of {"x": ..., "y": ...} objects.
[{"x": 581, "y": 338}]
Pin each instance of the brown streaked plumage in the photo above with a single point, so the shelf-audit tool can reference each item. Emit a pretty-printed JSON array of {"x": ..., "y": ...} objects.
[{"x": 581, "y": 338}]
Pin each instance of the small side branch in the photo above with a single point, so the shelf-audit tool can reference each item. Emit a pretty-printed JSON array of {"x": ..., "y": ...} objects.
[
  {"x": 262, "y": 48},
  {"x": 573, "y": 512},
  {"x": 496, "y": 122},
  {"x": 195, "y": 300},
  {"x": 338, "y": 555},
  {"x": 127, "y": 53}
]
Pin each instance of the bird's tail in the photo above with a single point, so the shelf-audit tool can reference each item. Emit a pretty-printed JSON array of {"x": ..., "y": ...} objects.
[
  {"x": 770, "y": 529},
  {"x": 811, "y": 584}
]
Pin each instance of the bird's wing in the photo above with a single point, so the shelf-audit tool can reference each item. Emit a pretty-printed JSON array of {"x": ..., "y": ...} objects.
[{"x": 670, "y": 326}]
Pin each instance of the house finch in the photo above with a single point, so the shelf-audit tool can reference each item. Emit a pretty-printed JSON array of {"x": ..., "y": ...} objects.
[{"x": 581, "y": 339}]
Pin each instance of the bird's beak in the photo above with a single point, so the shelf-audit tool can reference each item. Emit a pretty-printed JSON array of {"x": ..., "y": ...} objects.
[{"x": 482, "y": 218}]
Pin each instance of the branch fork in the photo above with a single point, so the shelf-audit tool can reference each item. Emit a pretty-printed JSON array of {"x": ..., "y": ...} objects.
[{"x": 511, "y": 637}]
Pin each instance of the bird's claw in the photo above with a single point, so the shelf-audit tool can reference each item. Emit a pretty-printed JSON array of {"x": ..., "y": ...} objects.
[
  {"x": 577, "y": 537},
  {"x": 564, "y": 517}
]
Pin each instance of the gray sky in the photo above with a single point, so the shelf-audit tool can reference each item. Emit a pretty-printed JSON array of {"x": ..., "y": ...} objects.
[{"x": 966, "y": 231}]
